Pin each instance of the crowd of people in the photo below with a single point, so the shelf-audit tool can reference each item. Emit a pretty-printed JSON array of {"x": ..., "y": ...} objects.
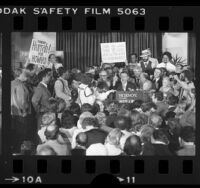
[{"x": 75, "y": 112}]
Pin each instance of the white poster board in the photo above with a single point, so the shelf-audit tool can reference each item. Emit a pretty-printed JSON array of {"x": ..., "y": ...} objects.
[
  {"x": 113, "y": 52},
  {"x": 39, "y": 52}
]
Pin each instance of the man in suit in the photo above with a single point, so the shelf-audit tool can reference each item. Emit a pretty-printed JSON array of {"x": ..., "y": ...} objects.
[
  {"x": 157, "y": 79},
  {"x": 41, "y": 96},
  {"x": 124, "y": 84},
  {"x": 146, "y": 64}
]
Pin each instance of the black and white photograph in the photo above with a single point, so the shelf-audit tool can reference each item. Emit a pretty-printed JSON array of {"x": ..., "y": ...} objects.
[{"x": 102, "y": 94}]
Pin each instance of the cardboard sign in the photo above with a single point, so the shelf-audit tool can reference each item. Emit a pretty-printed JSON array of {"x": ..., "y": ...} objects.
[
  {"x": 114, "y": 52},
  {"x": 39, "y": 52},
  {"x": 131, "y": 96}
]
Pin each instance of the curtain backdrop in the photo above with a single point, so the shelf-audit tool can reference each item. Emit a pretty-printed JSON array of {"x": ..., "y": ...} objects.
[
  {"x": 0, "y": 50},
  {"x": 82, "y": 49},
  {"x": 192, "y": 50}
]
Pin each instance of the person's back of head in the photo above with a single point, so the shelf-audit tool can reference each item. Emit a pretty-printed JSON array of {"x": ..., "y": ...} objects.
[
  {"x": 53, "y": 105},
  {"x": 67, "y": 120},
  {"x": 51, "y": 132},
  {"x": 124, "y": 112},
  {"x": 89, "y": 122},
  {"x": 61, "y": 105},
  {"x": 102, "y": 85},
  {"x": 47, "y": 151},
  {"x": 61, "y": 71},
  {"x": 172, "y": 100},
  {"x": 43, "y": 73},
  {"x": 155, "y": 120},
  {"x": 147, "y": 107},
  {"x": 146, "y": 133},
  {"x": 86, "y": 108},
  {"x": 95, "y": 109},
  {"x": 75, "y": 109},
  {"x": 27, "y": 148},
  {"x": 121, "y": 123},
  {"x": 114, "y": 137},
  {"x": 81, "y": 139},
  {"x": 187, "y": 134},
  {"x": 137, "y": 104},
  {"x": 161, "y": 135},
  {"x": 159, "y": 96},
  {"x": 133, "y": 145}
]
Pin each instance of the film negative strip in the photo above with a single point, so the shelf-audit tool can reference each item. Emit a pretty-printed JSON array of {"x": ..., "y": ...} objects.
[{"x": 41, "y": 40}]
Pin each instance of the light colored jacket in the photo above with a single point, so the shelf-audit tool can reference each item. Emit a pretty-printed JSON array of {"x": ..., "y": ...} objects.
[
  {"x": 86, "y": 95},
  {"x": 20, "y": 99},
  {"x": 62, "y": 89}
]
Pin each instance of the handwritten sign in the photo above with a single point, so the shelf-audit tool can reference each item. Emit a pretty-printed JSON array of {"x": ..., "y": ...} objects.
[
  {"x": 131, "y": 96},
  {"x": 39, "y": 52},
  {"x": 114, "y": 52}
]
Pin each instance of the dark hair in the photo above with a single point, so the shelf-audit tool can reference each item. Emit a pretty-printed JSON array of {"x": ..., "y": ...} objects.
[
  {"x": 121, "y": 122},
  {"x": 187, "y": 134},
  {"x": 89, "y": 121},
  {"x": 53, "y": 105},
  {"x": 61, "y": 71},
  {"x": 75, "y": 109},
  {"x": 133, "y": 145},
  {"x": 161, "y": 135},
  {"x": 51, "y": 134},
  {"x": 67, "y": 119},
  {"x": 147, "y": 106},
  {"x": 43, "y": 73},
  {"x": 172, "y": 100},
  {"x": 86, "y": 108},
  {"x": 51, "y": 55},
  {"x": 168, "y": 54},
  {"x": 102, "y": 85},
  {"x": 134, "y": 55},
  {"x": 95, "y": 108},
  {"x": 124, "y": 72},
  {"x": 188, "y": 74},
  {"x": 137, "y": 104},
  {"x": 159, "y": 96},
  {"x": 30, "y": 67},
  {"x": 82, "y": 139},
  {"x": 74, "y": 94},
  {"x": 170, "y": 115}
]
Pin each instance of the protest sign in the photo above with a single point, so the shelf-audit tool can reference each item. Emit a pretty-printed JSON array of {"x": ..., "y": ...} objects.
[
  {"x": 131, "y": 96},
  {"x": 39, "y": 52},
  {"x": 114, "y": 52}
]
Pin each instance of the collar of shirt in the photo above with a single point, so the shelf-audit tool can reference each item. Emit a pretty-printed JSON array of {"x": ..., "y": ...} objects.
[{"x": 44, "y": 84}]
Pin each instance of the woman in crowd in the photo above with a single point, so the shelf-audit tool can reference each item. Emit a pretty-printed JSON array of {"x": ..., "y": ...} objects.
[{"x": 86, "y": 119}]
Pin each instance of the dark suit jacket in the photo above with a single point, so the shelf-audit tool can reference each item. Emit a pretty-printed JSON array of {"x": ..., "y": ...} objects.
[
  {"x": 40, "y": 99},
  {"x": 158, "y": 85},
  {"x": 148, "y": 69},
  {"x": 156, "y": 150},
  {"x": 129, "y": 85},
  {"x": 95, "y": 136}
]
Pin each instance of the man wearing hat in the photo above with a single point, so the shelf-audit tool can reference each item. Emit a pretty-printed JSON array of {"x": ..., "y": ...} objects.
[{"x": 146, "y": 63}]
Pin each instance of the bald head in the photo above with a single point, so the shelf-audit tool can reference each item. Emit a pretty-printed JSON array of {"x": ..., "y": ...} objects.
[
  {"x": 133, "y": 145},
  {"x": 46, "y": 150},
  {"x": 81, "y": 139}
]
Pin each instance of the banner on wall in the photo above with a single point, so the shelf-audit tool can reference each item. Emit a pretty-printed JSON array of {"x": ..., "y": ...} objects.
[
  {"x": 39, "y": 52},
  {"x": 113, "y": 52}
]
